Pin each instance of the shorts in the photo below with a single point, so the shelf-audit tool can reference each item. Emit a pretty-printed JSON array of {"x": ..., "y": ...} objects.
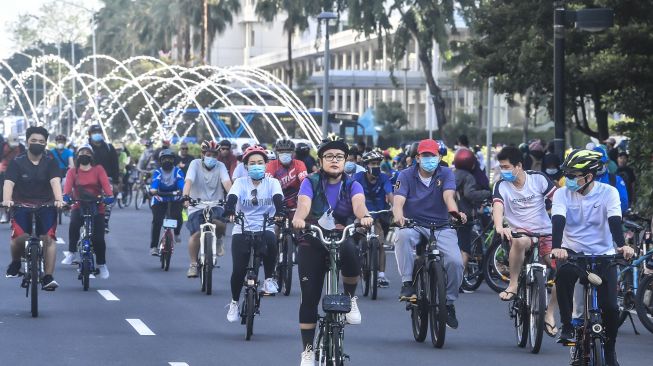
[
  {"x": 46, "y": 222},
  {"x": 197, "y": 218}
]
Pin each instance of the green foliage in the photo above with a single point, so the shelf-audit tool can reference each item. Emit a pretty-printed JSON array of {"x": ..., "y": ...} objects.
[
  {"x": 391, "y": 116},
  {"x": 640, "y": 152}
]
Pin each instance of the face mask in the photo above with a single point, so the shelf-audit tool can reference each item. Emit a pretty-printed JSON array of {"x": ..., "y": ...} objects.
[
  {"x": 256, "y": 172},
  {"x": 602, "y": 171},
  {"x": 375, "y": 171},
  {"x": 36, "y": 149},
  {"x": 285, "y": 158},
  {"x": 551, "y": 171},
  {"x": 508, "y": 175},
  {"x": 84, "y": 159},
  {"x": 60, "y": 146},
  {"x": 429, "y": 163},
  {"x": 210, "y": 162},
  {"x": 97, "y": 137},
  {"x": 167, "y": 165},
  {"x": 350, "y": 167},
  {"x": 572, "y": 184}
]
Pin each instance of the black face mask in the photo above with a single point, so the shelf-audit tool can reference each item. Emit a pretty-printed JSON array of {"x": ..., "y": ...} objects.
[
  {"x": 84, "y": 159},
  {"x": 36, "y": 149},
  {"x": 167, "y": 165},
  {"x": 376, "y": 171}
]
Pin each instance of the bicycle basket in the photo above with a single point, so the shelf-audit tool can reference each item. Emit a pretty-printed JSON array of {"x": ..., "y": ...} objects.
[{"x": 336, "y": 304}]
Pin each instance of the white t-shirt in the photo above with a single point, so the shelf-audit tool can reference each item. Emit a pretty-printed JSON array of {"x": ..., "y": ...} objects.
[
  {"x": 207, "y": 184},
  {"x": 244, "y": 189},
  {"x": 240, "y": 171},
  {"x": 525, "y": 208},
  {"x": 587, "y": 229}
]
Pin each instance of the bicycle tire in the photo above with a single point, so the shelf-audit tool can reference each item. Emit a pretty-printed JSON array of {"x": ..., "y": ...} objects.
[
  {"x": 644, "y": 302},
  {"x": 138, "y": 201},
  {"x": 437, "y": 304},
  {"x": 320, "y": 355},
  {"x": 130, "y": 196},
  {"x": 207, "y": 268},
  {"x": 200, "y": 269},
  {"x": 167, "y": 245},
  {"x": 497, "y": 279},
  {"x": 35, "y": 261},
  {"x": 373, "y": 249},
  {"x": 250, "y": 308},
  {"x": 537, "y": 311},
  {"x": 419, "y": 312},
  {"x": 365, "y": 266},
  {"x": 597, "y": 354},
  {"x": 522, "y": 313},
  {"x": 625, "y": 294},
  {"x": 86, "y": 273},
  {"x": 473, "y": 275},
  {"x": 337, "y": 358},
  {"x": 287, "y": 273}
]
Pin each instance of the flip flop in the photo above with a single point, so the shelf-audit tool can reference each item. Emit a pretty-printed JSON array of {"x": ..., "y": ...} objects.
[
  {"x": 510, "y": 298},
  {"x": 550, "y": 329}
]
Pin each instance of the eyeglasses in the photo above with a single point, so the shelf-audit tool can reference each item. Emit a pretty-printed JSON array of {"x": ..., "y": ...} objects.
[
  {"x": 254, "y": 198},
  {"x": 334, "y": 157},
  {"x": 572, "y": 176}
]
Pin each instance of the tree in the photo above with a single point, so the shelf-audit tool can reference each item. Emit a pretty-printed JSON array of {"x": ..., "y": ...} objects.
[{"x": 391, "y": 116}]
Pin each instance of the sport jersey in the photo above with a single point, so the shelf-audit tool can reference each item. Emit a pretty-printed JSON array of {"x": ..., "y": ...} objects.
[
  {"x": 32, "y": 182},
  {"x": 167, "y": 182},
  {"x": 425, "y": 203},
  {"x": 255, "y": 201},
  {"x": 525, "y": 208},
  {"x": 207, "y": 185},
  {"x": 87, "y": 184},
  {"x": 375, "y": 194},
  {"x": 61, "y": 157},
  {"x": 586, "y": 228},
  {"x": 289, "y": 177}
]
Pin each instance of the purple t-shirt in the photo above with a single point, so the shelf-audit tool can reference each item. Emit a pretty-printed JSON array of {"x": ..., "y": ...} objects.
[
  {"x": 425, "y": 204},
  {"x": 331, "y": 191}
]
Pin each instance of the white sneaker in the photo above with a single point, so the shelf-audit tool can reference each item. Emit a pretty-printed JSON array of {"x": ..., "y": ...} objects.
[
  {"x": 232, "y": 314},
  {"x": 270, "y": 286},
  {"x": 104, "y": 271},
  {"x": 219, "y": 247},
  {"x": 308, "y": 357},
  {"x": 177, "y": 239},
  {"x": 70, "y": 258},
  {"x": 354, "y": 316}
]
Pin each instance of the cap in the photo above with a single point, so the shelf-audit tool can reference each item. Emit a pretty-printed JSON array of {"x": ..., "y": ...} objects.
[{"x": 428, "y": 146}]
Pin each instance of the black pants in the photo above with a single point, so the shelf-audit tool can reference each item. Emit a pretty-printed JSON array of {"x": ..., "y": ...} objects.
[
  {"x": 312, "y": 260},
  {"x": 464, "y": 233},
  {"x": 99, "y": 245},
  {"x": 566, "y": 278},
  {"x": 266, "y": 247},
  {"x": 159, "y": 213}
]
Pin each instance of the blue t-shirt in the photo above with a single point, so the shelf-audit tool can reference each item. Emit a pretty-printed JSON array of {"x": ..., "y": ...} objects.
[
  {"x": 425, "y": 204},
  {"x": 620, "y": 185},
  {"x": 168, "y": 183},
  {"x": 61, "y": 157},
  {"x": 375, "y": 193}
]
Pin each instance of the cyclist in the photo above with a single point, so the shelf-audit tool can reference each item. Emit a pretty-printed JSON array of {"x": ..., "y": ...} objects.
[
  {"x": 207, "y": 180},
  {"x": 166, "y": 179},
  {"x": 425, "y": 193},
  {"x": 255, "y": 196},
  {"x": 10, "y": 149},
  {"x": 106, "y": 156},
  {"x": 145, "y": 162},
  {"x": 351, "y": 165},
  {"x": 33, "y": 179},
  {"x": 87, "y": 181},
  {"x": 303, "y": 153},
  {"x": 330, "y": 199},
  {"x": 378, "y": 194},
  {"x": 227, "y": 156},
  {"x": 289, "y": 171},
  {"x": 520, "y": 197},
  {"x": 184, "y": 157},
  {"x": 586, "y": 218},
  {"x": 607, "y": 177},
  {"x": 62, "y": 155}
]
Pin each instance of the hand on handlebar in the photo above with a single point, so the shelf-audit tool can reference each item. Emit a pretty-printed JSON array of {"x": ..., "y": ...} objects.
[
  {"x": 400, "y": 220},
  {"x": 7, "y": 204},
  {"x": 59, "y": 204},
  {"x": 367, "y": 222},
  {"x": 559, "y": 253},
  {"x": 505, "y": 233},
  {"x": 298, "y": 224},
  {"x": 459, "y": 216},
  {"x": 627, "y": 251}
]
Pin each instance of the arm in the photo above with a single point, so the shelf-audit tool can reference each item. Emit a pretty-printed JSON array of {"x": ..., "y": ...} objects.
[
  {"x": 55, "y": 183},
  {"x": 227, "y": 184},
  {"x": 71, "y": 163},
  {"x": 68, "y": 187},
  {"x": 449, "y": 197},
  {"x": 104, "y": 182},
  {"x": 304, "y": 203},
  {"x": 471, "y": 192},
  {"x": 180, "y": 180},
  {"x": 358, "y": 204},
  {"x": 558, "y": 223},
  {"x": 301, "y": 170},
  {"x": 398, "y": 208},
  {"x": 156, "y": 180},
  {"x": 7, "y": 192}
]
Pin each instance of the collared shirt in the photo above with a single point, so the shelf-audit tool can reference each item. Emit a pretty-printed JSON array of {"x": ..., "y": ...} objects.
[
  {"x": 375, "y": 193},
  {"x": 425, "y": 204}
]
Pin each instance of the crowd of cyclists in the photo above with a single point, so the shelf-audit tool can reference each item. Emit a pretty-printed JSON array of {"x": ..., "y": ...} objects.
[{"x": 579, "y": 201}]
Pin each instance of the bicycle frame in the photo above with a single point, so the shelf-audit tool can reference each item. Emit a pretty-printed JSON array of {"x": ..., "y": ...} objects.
[{"x": 33, "y": 246}]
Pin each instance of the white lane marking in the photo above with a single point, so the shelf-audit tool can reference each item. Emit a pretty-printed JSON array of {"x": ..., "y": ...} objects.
[
  {"x": 178, "y": 364},
  {"x": 108, "y": 295},
  {"x": 140, "y": 327}
]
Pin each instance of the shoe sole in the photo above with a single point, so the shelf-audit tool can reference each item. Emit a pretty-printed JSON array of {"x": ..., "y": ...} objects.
[{"x": 408, "y": 298}]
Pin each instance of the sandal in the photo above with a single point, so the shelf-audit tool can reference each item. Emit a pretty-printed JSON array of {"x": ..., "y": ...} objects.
[
  {"x": 509, "y": 298},
  {"x": 550, "y": 329}
]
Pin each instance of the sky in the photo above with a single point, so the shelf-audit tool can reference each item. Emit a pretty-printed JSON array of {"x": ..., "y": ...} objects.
[{"x": 12, "y": 8}]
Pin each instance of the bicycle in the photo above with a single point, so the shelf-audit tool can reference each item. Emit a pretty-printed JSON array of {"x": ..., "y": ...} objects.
[
  {"x": 528, "y": 306},
  {"x": 167, "y": 243},
  {"x": 370, "y": 264},
  {"x": 482, "y": 238},
  {"x": 127, "y": 194},
  {"x": 208, "y": 254},
  {"x": 287, "y": 253},
  {"x": 628, "y": 273},
  {"x": 330, "y": 338},
  {"x": 496, "y": 266},
  {"x": 142, "y": 190},
  {"x": 85, "y": 244}
]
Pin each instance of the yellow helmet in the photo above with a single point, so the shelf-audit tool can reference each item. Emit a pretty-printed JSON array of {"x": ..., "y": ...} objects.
[{"x": 582, "y": 161}]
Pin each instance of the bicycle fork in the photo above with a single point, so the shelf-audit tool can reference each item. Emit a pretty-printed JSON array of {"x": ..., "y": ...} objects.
[
  {"x": 32, "y": 248},
  {"x": 204, "y": 229}
]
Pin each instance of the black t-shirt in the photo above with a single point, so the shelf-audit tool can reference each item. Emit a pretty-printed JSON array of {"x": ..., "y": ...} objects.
[
  {"x": 186, "y": 161},
  {"x": 32, "y": 182}
]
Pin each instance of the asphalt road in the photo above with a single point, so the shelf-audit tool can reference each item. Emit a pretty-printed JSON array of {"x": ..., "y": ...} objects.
[{"x": 190, "y": 328}]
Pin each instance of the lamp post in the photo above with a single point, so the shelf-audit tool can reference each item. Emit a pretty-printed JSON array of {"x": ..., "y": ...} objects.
[
  {"x": 326, "y": 95},
  {"x": 405, "y": 70},
  {"x": 590, "y": 20}
]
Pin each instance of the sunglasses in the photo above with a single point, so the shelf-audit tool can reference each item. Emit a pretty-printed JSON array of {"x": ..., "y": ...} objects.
[{"x": 254, "y": 197}]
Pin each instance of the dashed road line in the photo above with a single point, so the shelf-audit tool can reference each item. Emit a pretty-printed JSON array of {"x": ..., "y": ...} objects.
[
  {"x": 178, "y": 364},
  {"x": 108, "y": 295},
  {"x": 140, "y": 327}
]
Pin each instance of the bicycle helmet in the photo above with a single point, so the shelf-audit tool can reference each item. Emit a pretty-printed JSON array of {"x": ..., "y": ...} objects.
[
  {"x": 256, "y": 149},
  {"x": 84, "y": 147},
  {"x": 284, "y": 144},
  {"x": 464, "y": 159},
  {"x": 442, "y": 148},
  {"x": 166, "y": 153},
  {"x": 147, "y": 142},
  {"x": 373, "y": 155},
  {"x": 332, "y": 142},
  {"x": 225, "y": 143},
  {"x": 523, "y": 147},
  {"x": 412, "y": 150},
  {"x": 582, "y": 161},
  {"x": 210, "y": 146},
  {"x": 60, "y": 138},
  {"x": 271, "y": 155},
  {"x": 302, "y": 147},
  {"x": 95, "y": 129}
]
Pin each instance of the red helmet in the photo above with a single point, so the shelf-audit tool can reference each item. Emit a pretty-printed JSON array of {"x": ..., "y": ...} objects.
[
  {"x": 256, "y": 149},
  {"x": 464, "y": 159},
  {"x": 210, "y": 146}
]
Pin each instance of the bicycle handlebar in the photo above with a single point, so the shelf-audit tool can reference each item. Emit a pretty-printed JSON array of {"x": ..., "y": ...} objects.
[
  {"x": 575, "y": 257},
  {"x": 380, "y": 211},
  {"x": 198, "y": 201},
  {"x": 519, "y": 234},
  {"x": 320, "y": 233}
]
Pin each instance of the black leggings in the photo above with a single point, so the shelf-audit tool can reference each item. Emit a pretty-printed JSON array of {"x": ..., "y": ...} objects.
[
  {"x": 99, "y": 245},
  {"x": 266, "y": 247},
  {"x": 159, "y": 213},
  {"x": 312, "y": 260}
]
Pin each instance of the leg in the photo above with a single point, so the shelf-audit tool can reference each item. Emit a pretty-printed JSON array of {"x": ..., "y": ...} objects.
[
  {"x": 453, "y": 262},
  {"x": 465, "y": 242},
  {"x": 158, "y": 214},
  {"x": 73, "y": 230},
  {"x": 378, "y": 228},
  {"x": 99, "y": 244},
  {"x": 565, "y": 280},
  {"x": 518, "y": 248},
  {"x": 193, "y": 226},
  {"x": 49, "y": 253},
  {"x": 46, "y": 229},
  {"x": 270, "y": 258},
  {"x": 350, "y": 266},
  {"x": 311, "y": 265},
  {"x": 607, "y": 295},
  {"x": 407, "y": 239},
  {"x": 239, "y": 258},
  {"x": 175, "y": 213}
]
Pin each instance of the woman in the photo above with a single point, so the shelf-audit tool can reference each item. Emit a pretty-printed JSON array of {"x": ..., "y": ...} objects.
[
  {"x": 255, "y": 196},
  {"x": 86, "y": 182},
  {"x": 330, "y": 199},
  {"x": 166, "y": 179}
]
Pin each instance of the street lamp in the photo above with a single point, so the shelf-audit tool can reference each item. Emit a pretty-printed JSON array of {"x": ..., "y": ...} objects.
[
  {"x": 405, "y": 70},
  {"x": 326, "y": 95},
  {"x": 590, "y": 20}
]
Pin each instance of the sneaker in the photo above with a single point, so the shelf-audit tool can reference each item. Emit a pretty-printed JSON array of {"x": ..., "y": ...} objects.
[
  {"x": 70, "y": 258},
  {"x": 3, "y": 217},
  {"x": 566, "y": 334},
  {"x": 308, "y": 357},
  {"x": 232, "y": 314},
  {"x": 103, "y": 271},
  {"x": 14, "y": 269},
  {"x": 48, "y": 283},
  {"x": 177, "y": 239},
  {"x": 354, "y": 316},
  {"x": 452, "y": 322},
  {"x": 270, "y": 286},
  {"x": 154, "y": 252},
  {"x": 465, "y": 291},
  {"x": 192, "y": 271},
  {"x": 383, "y": 282},
  {"x": 407, "y": 292},
  {"x": 219, "y": 247}
]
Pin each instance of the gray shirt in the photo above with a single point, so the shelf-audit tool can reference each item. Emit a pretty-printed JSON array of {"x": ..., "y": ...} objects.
[{"x": 206, "y": 184}]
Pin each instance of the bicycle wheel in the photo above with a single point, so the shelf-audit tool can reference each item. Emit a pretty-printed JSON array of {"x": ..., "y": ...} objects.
[
  {"x": 86, "y": 272},
  {"x": 138, "y": 198},
  {"x": 287, "y": 270},
  {"x": 167, "y": 245},
  {"x": 250, "y": 308},
  {"x": 321, "y": 344},
  {"x": 419, "y": 311},
  {"x": 644, "y": 302},
  {"x": 373, "y": 249},
  {"x": 596, "y": 353},
  {"x": 521, "y": 312},
  {"x": 128, "y": 197},
  {"x": 625, "y": 294},
  {"x": 537, "y": 305},
  {"x": 437, "y": 304},
  {"x": 365, "y": 267},
  {"x": 496, "y": 269},
  {"x": 473, "y": 276},
  {"x": 35, "y": 263},
  {"x": 336, "y": 354},
  {"x": 207, "y": 268}
]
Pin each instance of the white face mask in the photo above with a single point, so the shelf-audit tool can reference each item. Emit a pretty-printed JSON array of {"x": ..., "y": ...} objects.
[{"x": 60, "y": 146}]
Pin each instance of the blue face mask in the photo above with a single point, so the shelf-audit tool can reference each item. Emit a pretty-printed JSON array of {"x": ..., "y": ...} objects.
[
  {"x": 508, "y": 175},
  {"x": 210, "y": 162},
  {"x": 350, "y": 167},
  {"x": 97, "y": 137},
  {"x": 285, "y": 158},
  {"x": 256, "y": 172},
  {"x": 572, "y": 184},
  {"x": 429, "y": 163}
]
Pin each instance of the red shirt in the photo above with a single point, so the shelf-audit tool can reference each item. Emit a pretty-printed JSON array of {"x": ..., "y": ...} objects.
[
  {"x": 93, "y": 182},
  {"x": 290, "y": 178},
  {"x": 8, "y": 154},
  {"x": 230, "y": 161}
]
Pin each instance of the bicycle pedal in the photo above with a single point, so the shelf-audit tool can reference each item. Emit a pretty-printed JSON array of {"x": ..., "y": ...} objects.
[{"x": 24, "y": 283}]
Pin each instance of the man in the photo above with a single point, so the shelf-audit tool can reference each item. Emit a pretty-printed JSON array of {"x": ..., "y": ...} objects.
[
  {"x": 378, "y": 195},
  {"x": 303, "y": 153},
  {"x": 520, "y": 197},
  {"x": 628, "y": 175},
  {"x": 33, "y": 179},
  {"x": 586, "y": 218},
  {"x": 207, "y": 180},
  {"x": 105, "y": 154},
  {"x": 290, "y": 172},
  {"x": 425, "y": 193},
  {"x": 604, "y": 175},
  {"x": 184, "y": 157},
  {"x": 227, "y": 156},
  {"x": 10, "y": 149},
  {"x": 62, "y": 155},
  {"x": 146, "y": 162},
  {"x": 351, "y": 165}
]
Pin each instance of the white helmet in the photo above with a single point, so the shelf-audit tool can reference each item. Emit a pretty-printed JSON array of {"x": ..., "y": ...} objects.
[{"x": 271, "y": 155}]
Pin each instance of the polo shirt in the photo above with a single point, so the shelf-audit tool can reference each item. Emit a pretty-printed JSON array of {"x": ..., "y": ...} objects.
[
  {"x": 425, "y": 204},
  {"x": 375, "y": 193}
]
